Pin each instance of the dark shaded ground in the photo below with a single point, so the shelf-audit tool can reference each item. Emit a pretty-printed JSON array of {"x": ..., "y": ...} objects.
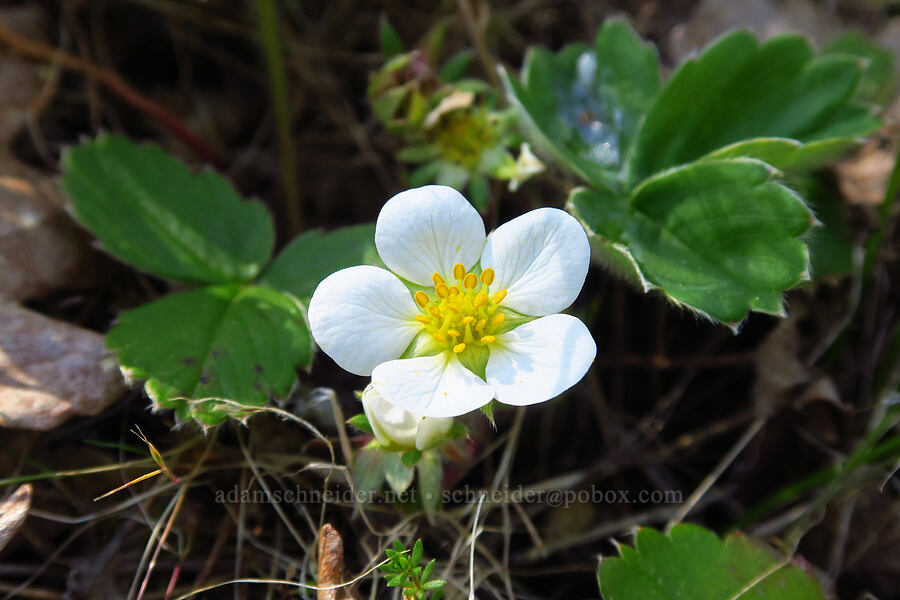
[{"x": 668, "y": 396}]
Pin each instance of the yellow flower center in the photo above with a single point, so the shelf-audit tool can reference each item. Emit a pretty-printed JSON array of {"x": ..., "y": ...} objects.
[{"x": 462, "y": 314}]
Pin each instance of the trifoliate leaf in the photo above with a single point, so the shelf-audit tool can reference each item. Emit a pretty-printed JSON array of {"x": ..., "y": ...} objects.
[
  {"x": 149, "y": 210},
  {"x": 738, "y": 89},
  {"x": 692, "y": 563},
  {"x": 238, "y": 343},
  {"x": 720, "y": 237}
]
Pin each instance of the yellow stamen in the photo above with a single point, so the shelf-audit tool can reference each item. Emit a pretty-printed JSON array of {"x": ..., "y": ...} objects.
[
  {"x": 459, "y": 271},
  {"x": 462, "y": 313}
]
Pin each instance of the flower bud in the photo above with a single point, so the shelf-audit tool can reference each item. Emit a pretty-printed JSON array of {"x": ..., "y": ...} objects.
[{"x": 397, "y": 429}]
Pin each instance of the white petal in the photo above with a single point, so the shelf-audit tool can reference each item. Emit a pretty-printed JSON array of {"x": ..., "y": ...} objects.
[
  {"x": 427, "y": 230},
  {"x": 391, "y": 425},
  {"x": 362, "y": 316},
  {"x": 431, "y": 429},
  {"x": 539, "y": 360},
  {"x": 540, "y": 258},
  {"x": 431, "y": 386}
]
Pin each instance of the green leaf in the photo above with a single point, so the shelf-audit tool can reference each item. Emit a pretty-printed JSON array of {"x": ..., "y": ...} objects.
[
  {"x": 739, "y": 89},
  {"x": 430, "y": 474},
  {"x": 601, "y": 213},
  {"x": 388, "y": 37},
  {"x": 429, "y": 569},
  {"x": 604, "y": 217},
  {"x": 361, "y": 423},
  {"x": 238, "y": 343},
  {"x": 627, "y": 76},
  {"x": 786, "y": 154},
  {"x": 418, "y": 552},
  {"x": 584, "y": 104},
  {"x": 456, "y": 66},
  {"x": 879, "y": 81},
  {"x": 830, "y": 249},
  {"x": 719, "y": 236},
  {"x": 151, "y": 211},
  {"x": 396, "y": 580},
  {"x": 692, "y": 563},
  {"x": 397, "y": 474},
  {"x": 557, "y": 110},
  {"x": 315, "y": 255},
  {"x": 434, "y": 584}
]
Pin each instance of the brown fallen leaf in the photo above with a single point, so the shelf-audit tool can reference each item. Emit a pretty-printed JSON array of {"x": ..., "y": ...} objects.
[
  {"x": 50, "y": 370},
  {"x": 13, "y": 511},
  {"x": 331, "y": 563},
  {"x": 863, "y": 177}
]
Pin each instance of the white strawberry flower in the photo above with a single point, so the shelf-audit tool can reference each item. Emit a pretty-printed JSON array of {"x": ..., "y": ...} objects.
[
  {"x": 398, "y": 429},
  {"x": 482, "y": 323}
]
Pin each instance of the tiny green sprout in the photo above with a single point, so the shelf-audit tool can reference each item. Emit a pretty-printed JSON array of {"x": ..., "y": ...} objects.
[{"x": 404, "y": 570}]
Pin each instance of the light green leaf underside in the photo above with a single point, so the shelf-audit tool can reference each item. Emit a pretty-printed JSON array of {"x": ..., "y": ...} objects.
[
  {"x": 314, "y": 255},
  {"x": 151, "y": 211},
  {"x": 692, "y": 563},
  {"x": 583, "y": 104},
  {"x": 739, "y": 89},
  {"x": 718, "y": 236},
  {"x": 240, "y": 343}
]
